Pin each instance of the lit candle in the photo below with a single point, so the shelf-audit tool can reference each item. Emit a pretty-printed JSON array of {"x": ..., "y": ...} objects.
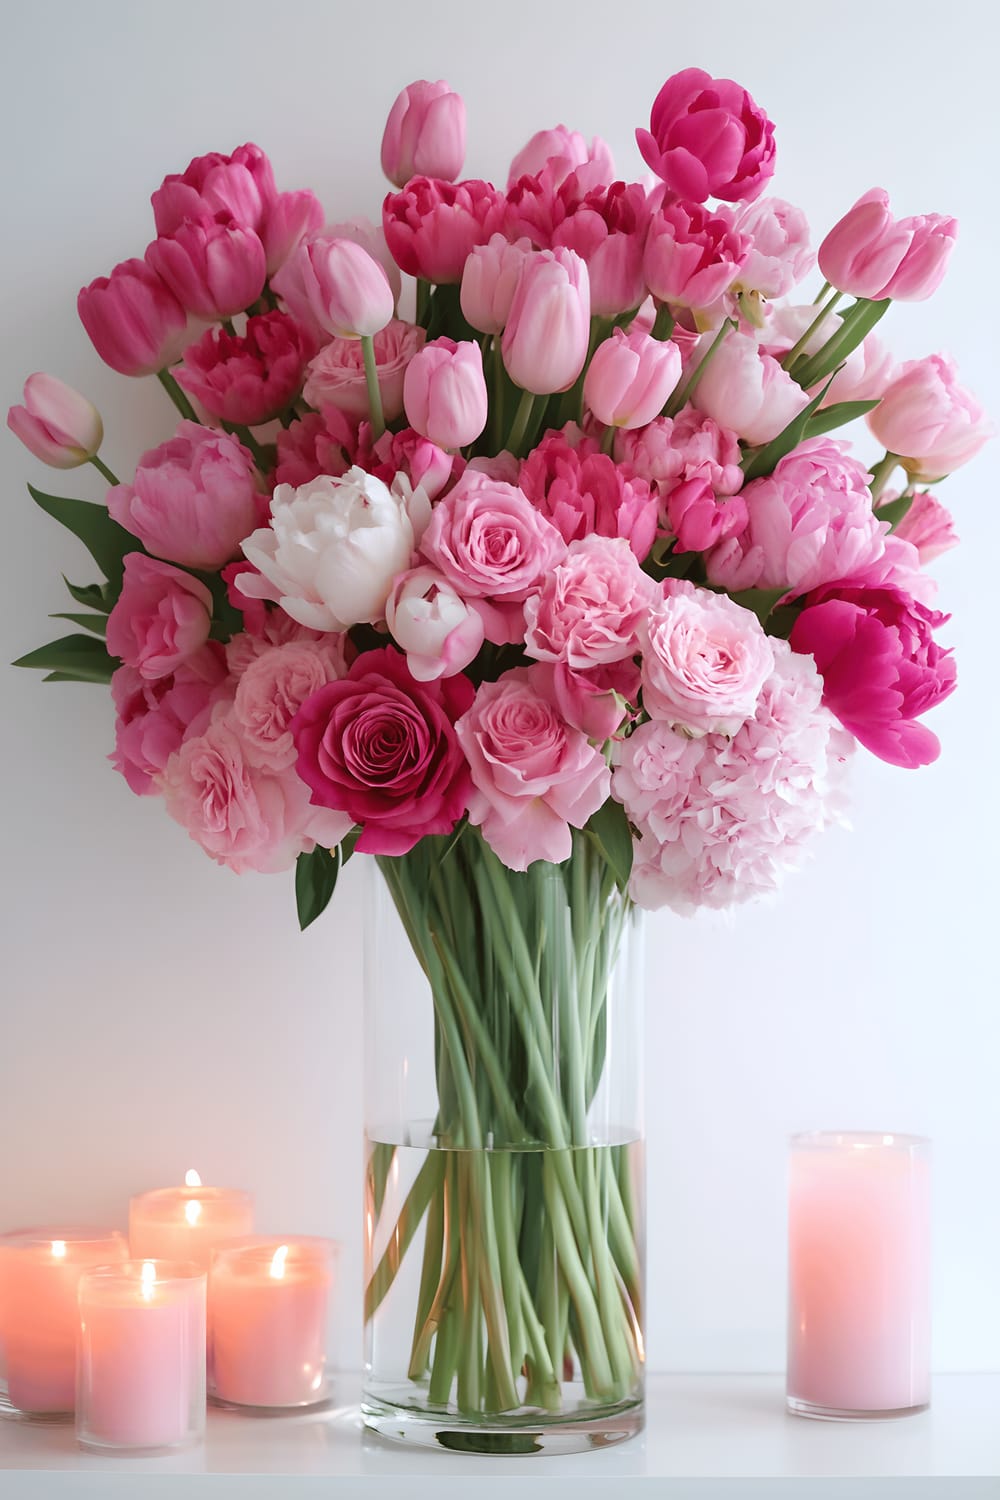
[
  {"x": 859, "y": 1275},
  {"x": 39, "y": 1272},
  {"x": 141, "y": 1380},
  {"x": 186, "y": 1223},
  {"x": 267, "y": 1309}
]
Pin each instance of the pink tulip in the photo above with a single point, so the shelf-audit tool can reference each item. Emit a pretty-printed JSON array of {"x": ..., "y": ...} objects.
[
  {"x": 693, "y": 256},
  {"x": 135, "y": 322},
  {"x": 934, "y": 424},
  {"x": 780, "y": 255},
  {"x": 746, "y": 390},
  {"x": 444, "y": 392},
  {"x": 547, "y": 337},
  {"x": 431, "y": 226},
  {"x": 708, "y": 139},
  {"x": 346, "y": 290},
  {"x": 489, "y": 281},
  {"x": 698, "y": 518},
  {"x": 630, "y": 377},
  {"x": 214, "y": 268},
  {"x": 424, "y": 134},
  {"x": 870, "y": 254},
  {"x": 927, "y": 525},
  {"x": 371, "y": 238},
  {"x": 288, "y": 220},
  {"x": 56, "y": 423},
  {"x": 607, "y": 227},
  {"x": 241, "y": 185},
  {"x": 559, "y": 152}
]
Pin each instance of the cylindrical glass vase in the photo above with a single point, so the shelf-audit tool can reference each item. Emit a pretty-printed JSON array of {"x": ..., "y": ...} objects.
[{"x": 504, "y": 1195}]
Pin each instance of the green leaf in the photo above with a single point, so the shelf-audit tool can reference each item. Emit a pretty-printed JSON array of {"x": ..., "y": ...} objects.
[
  {"x": 894, "y": 510},
  {"x": 610, "y": 831},
  {"x": 759, "y": 601},
  {"x": 316, "y": 877},
  {"x": 80, "y": 657},
  {"x": 858, "y": 323},
  {"x": 764, "y": 459},
  {"x": 227, "y": 620},
  {"x": 454, "y": 837},
  {"x": 92, "y": 596},
  {"x": 836, "y": 415},
  {"x": 97, "y": 624},
  {"x": 106, "y": 541}
]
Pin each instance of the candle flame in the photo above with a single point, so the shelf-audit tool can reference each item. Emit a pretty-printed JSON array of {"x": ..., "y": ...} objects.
[
  {"x": 148, "y": 1278},
  {"x": 192, "y": 1211},
  {"x": 59, "y": 1249},
  {"x": 278, "y": 1262},
  {"x": 191, "y": 1178}
]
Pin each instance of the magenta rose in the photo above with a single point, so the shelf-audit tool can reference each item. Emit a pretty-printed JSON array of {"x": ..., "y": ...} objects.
[
  {"x": 155, "y": 716},
  {"x": 381, "y": 747},
  {"x": 272, "y": 689},
  {"x": 881, "y": 666},
  {"x": 534, "y": 776},
  {"x": 589, "y": 610},
  {"x": 162, "y": 616},
  {"x": 248, "y": 378},
  {"x": 582, "y": 492}
]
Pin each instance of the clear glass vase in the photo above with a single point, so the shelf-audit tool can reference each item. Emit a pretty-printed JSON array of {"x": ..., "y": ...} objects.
[{"x": 504, "y": 1191}]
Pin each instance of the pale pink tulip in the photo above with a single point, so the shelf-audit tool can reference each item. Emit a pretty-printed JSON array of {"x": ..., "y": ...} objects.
[{"x": 56, "y": 423}]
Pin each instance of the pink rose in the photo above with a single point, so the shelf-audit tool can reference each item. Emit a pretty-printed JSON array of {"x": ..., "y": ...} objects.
[
  {"x": 248, "y": 378},
  {"x": 582, "y": 492},
  {"x": 493, "y": 547},
  {"x": 155, "y": 716},
  {"x": 590, "y": 608},
  {"x": 746, "y": 390},
  {"x": 934, "y": 424},
  {"x": 535, "y": 778},
  {"x": 595, "y": 701},
  {"x": 431, "y": 226},
  {"x": 672, "y": 450},
  {"x": 708, "y": 139},
  {"x": 336, "y": 377},
  {"x": 780, "y": 255},
  {"x": 704, "y": 660},
  {"x": 162, "y": 616},
  {"x": 271, "y": 691},
  {"x": 192, "y": 499},
  {"x": 693, "y": 256},
  {"x": 927, "y": 526},
  {"x": 382, "y": 748},
  {"x": 440, "y": 633}
]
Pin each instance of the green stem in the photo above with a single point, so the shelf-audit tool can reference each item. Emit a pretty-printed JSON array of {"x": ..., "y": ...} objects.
[
  {"x": 686, "y": 390},
  {"x": 176, "y": 395},
  {"x": 789, "y": 359},
  {"x": 248, "y": 440},
  {"x": 229, "y": 326},
  {"x": 520, "y": 424},
  {"x": 663, "y": 325},
  {"x": 881, "y": 472},
  {"x": 371, "y": 380},
  {"x": 423, "y": 300},
  {"x": 608, "y": 440},
  {"x": 102, "y": 468},
  {"x": 821, "y": 293}
]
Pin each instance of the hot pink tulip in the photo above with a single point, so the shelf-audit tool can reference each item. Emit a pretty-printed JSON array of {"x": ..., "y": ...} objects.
[
  {"x": 241, "y": 185},
  {"x": 559, "y": 152},
  {"x": 214, "y": 268},
  {"x": 489, "y": 280},
  {"x": 630, "y": 377},
  {"x": 248, "y": 378},
  {"x": 547, "y": 337},
  {"x": 288, "y": 220},
  {"x": 431, "y": 226},
  {"x": 135, "y": 322},
  {"x": 746, "y": 390},
  {"x": 607, "y": 227},
  {"x": 444, "y": 393},
  {"x": 162, "y": 617},
  {"x": 934, "y": 424},
  {"x": 424, "y": 134},
  {"x": 340, "y": 285},
  {"x": 692, "y": 256},
  {"x": 708, "y": 139},
  {"x": 868, "y": 253},
  {"x": 56, "y": 423}
]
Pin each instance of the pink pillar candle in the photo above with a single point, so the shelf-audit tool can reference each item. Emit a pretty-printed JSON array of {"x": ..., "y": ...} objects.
[
  {"x": 186, "y": 1223},
  {"x": 859, "y": 1275},
  {"x": 39, "y": 1273},
  {"x": 268, "y": 1303},
  {"x": 141, "y": 1375}
]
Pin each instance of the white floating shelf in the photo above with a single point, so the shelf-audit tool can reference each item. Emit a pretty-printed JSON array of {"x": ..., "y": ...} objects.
[{"x": 708, "y": 1437}]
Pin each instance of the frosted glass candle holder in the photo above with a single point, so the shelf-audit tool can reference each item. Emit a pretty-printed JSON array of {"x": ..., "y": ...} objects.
[
  {"x": 187, "y": 1222},
  {"x": 141, "y": 1369},
  {"x": 39, "y": 1273},
  {"x": 859, "y": 1275},
  {"x": 268, "y": 1301}
]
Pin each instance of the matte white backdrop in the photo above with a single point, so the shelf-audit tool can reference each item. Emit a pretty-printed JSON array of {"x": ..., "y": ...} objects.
[{"x": 160, "y": 1013}]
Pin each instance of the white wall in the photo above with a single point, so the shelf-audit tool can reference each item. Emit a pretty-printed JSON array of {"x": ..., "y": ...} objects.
[{"x": 160, "y": 1012}]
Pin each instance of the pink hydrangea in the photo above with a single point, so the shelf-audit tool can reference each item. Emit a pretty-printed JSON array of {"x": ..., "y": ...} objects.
[
  {"x": 723, "y": 820},
  {"x": 583, "y": 493},
  {"x": 154, "y": 717},
  {"x": 672, "y": 450},
  {"x": 810, "y": 522},
  {"x": 590, "y": 608}
]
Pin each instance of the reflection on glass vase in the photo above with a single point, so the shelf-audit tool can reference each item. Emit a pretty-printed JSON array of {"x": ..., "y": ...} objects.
[{"x": 505, "y": 1173}]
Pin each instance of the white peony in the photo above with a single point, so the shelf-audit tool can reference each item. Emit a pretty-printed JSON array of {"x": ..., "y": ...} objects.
[{"x": 334, "y": 546}]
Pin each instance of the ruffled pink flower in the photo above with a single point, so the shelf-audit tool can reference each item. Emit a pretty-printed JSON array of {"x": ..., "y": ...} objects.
[
  {"x": 162, "y": 616},
  {"x": 708, "y": 139},
  {"x": 154, "y": 716},
  {"x": 700, "y": 519},
  {"x": 214, "y": 267},
  {"x": 192, "y": 500},
  {"x": 584, "y": 493},
  {"x": 248, "y": 378},
  {"x": 336, "y": 377},
  {"x": 241, "y": 185},
  {"x": 431, "y": 226},
  {"x": 932, "y": 422},
  {"x": 272, "y": 689},
  {"x": 535, "y": 778},
  {"x": 607, "y": 228},
  {"x": 746, "y": 390},
  {"x": 724, "y": 820},
  {"x": 597, "y": 701},
  {"x": 590, "y": 608},
  {"x": 704, "y": 660},
  {"x": 927, "y": 526},
  {"x": 672, "y": 450},
  {"x": 279, "y": 629},
  {"x": 382, "y": 748},
  {"x": 693, "y": 256},
  {"x": 780, "y": 255},
  {"x": 810, "y": 522},
  {"x": 559, "y": 152},
  {"x": 318, "y": 443},
  {"x": 881, "y": 666}
]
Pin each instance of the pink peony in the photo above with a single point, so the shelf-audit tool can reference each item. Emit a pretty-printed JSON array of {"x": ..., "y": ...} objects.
[
  {"x": 607, "y": 227},
  {"x": 431, "y": 226},
  {"x": 927, "y": 526},
  {"x": 693, "y": 256},
  {"x": 745, "y": 389},
  {"x": 880, "y": 664},
  {"x": 704, "y": 660},
  {"x": 382, "y": 748},
  {"x": 248, "y": 378},
  {"x": 192, "y": 499},
  {"x": 494, "y": 547},
  {"x": 318, "y": 443},
  {"x": 810, "y": 522},
  {"x": 723, "y": 820},
  {"x": 590, "y": 608},
  {"x": 440, "y": 633},
  {"x": 560, "y": 152},
  {"x": 708, "y": 139},
  {"x": 780, "y": 255},
  {"x": 932, "y": 422},
  {"x": 534, "y": 776},
  {"x": 584, "y": 493},
  {"x": 272, "y": 689},
  {"x": 278, "y": 629},
  {"x": 155, "y": 716},
  {"x": 336, "y": 377},
  {"x": 162, "y": 617},
  {"x": 672, "y": 450}
]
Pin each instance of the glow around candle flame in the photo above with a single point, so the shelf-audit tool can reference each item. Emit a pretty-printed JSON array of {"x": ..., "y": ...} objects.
[
  {"x": 191, "y": 1178},
  {"x": 278, "y": 1262},
  {"x": 148, "y": 1279},
  {"x": 59, "y": 1249},
  {"x": 192, "y": 1211}
]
